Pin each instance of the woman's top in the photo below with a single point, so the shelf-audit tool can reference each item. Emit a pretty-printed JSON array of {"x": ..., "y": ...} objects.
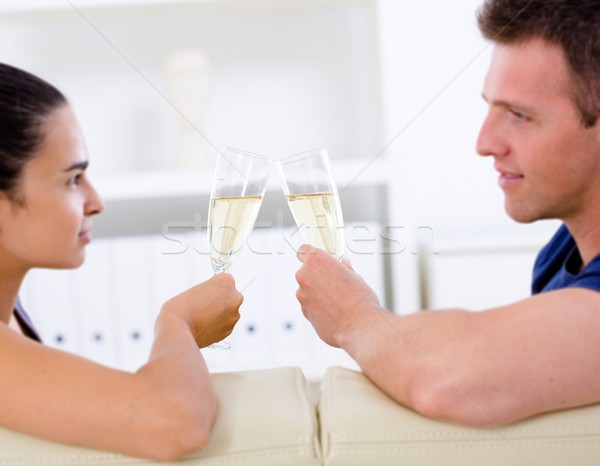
[{"x": 25, "y": 322}]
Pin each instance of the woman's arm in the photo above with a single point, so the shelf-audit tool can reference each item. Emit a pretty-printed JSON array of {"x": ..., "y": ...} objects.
[{"x": 162, "y": 411}]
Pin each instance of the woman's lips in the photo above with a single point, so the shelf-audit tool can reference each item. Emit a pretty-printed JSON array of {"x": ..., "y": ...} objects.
[{"x": 86, "y": 236}]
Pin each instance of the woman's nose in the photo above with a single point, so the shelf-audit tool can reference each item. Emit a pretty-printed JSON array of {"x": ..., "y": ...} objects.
[{"x": 94, "y": 204}]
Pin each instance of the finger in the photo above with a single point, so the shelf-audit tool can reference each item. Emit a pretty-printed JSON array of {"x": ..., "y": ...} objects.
[
  {"x": 225, "y": 278},
  {"x": 304, "y": 251},
  {"x": 240, "y": 300},
  {"x": 347, "y": 263}
]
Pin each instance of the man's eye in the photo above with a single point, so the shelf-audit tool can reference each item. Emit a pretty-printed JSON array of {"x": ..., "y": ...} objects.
[{"x": 519, "y": 116}]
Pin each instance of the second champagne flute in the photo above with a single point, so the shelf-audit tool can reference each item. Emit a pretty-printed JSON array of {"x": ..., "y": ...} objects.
[{"x": 313, "y": 199}]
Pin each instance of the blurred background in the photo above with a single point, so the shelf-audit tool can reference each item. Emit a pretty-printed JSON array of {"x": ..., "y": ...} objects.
[{"x": 391, "y": 88}]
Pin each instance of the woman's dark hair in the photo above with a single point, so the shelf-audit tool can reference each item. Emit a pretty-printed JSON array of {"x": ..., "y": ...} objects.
[
  {"x": 574, "y": 25},
  {"x": 26, "y": 101}
]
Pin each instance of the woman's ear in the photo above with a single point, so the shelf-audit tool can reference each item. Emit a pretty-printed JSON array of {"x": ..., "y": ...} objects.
[{"x": 8, "y": 204}]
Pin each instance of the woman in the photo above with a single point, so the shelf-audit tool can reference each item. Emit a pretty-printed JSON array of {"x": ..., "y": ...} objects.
[{"x": 166, "y": 408}]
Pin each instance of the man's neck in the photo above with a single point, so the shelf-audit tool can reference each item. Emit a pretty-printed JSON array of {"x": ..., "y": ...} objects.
[{"x": 587, "y": 238}]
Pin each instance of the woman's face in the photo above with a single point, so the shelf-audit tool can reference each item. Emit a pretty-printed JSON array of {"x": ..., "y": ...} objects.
[{"x": 52, "y": 226}]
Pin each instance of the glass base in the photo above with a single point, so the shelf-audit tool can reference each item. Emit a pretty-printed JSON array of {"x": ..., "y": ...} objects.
[
  {"x": 219, "y": 267},
  {"x": 223, "y": 345}
]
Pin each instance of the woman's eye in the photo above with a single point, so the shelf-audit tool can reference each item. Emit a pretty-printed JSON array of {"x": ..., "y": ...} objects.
[{"x": 74, "y": 181}]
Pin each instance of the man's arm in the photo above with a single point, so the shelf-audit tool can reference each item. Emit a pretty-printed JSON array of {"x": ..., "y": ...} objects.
[{"x": 475, "y": 368}]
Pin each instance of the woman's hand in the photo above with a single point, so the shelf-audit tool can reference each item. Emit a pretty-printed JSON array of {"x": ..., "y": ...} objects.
[{"x": 211, "y": 309}]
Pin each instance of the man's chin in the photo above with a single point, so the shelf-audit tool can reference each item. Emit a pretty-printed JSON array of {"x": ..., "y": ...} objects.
[{"x": 521, "y": 215}]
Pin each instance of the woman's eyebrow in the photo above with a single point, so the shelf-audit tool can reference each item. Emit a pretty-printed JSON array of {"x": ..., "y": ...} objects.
[{"x": 78, "y": 166}]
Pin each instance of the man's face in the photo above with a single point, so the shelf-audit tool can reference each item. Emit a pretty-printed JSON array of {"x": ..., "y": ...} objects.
[{"x": 549, "y": 164}]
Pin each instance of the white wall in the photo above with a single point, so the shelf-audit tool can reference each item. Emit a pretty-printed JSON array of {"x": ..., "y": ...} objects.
[
  {"x": 282, "y": 78},
  {"x": 433, "y": 66},
  {"x": 391, "y": 80}
]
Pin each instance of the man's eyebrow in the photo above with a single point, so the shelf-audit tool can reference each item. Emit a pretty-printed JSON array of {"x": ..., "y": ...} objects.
[
  {"x": 78, "y": 166},
  {"x": 509, "y": 105}
]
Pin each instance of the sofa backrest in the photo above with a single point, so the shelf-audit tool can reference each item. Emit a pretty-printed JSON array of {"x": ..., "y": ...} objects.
[{"x": 268, "y": 418}]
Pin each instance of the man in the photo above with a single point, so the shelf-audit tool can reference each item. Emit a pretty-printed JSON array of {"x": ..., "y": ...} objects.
[{"x": 539, "y": 354}]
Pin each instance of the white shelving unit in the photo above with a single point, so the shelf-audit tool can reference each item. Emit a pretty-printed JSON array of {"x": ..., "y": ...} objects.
[
  {"x": 37, "y": 6},
  {"x": 170, "y": 184},
  {"x": 391, "y": 88},
  {"x": 285, "y": 76}
]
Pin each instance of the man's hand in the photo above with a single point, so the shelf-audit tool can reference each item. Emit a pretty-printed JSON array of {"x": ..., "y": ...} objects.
[{"x": 333, "y": 297}]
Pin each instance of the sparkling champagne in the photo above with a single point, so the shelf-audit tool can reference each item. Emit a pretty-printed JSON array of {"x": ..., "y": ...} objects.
[
  {"x": 319, "y": 217},
  {"x": 230, "y": 222}
]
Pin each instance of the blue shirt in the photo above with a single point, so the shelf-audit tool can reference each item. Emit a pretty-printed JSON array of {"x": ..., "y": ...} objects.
[{"x": 558, "y": 265}]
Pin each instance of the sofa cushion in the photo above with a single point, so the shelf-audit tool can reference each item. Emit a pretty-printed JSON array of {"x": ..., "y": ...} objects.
[
  {"x": 360, "y": 426},
  {"x": 265, "y": 418}
]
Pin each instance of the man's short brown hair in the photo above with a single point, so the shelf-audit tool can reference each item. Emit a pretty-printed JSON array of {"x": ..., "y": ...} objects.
[{"x": 574, "y": 25}]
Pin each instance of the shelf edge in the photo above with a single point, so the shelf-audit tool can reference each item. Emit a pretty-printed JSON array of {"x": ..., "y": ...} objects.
[{"x": 172, "y": 184}]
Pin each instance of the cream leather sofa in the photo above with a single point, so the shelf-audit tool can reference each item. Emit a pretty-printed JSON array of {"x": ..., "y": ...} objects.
[{"x": 268, "y": 418}]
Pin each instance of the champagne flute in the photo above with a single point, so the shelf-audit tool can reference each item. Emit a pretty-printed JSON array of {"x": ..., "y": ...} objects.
[
  {"x": 237, "y": 192},
  {"x": 313, "y": 198}
]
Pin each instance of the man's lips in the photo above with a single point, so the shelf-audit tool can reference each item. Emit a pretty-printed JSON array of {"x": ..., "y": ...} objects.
[{"x": 508, "y": 179}]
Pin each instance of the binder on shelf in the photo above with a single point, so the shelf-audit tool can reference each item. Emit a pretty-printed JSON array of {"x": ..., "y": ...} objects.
[
  {"x": 364, "y": 248},
  {"x": 48, "y": 297},
  {"x": 171, "y": 273},
  {"x": 253, "y": 332},
  {"x": 95, "y": 305},
  {"x": 290, "y": 329},
  {"x": 135, "y": 310}
]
